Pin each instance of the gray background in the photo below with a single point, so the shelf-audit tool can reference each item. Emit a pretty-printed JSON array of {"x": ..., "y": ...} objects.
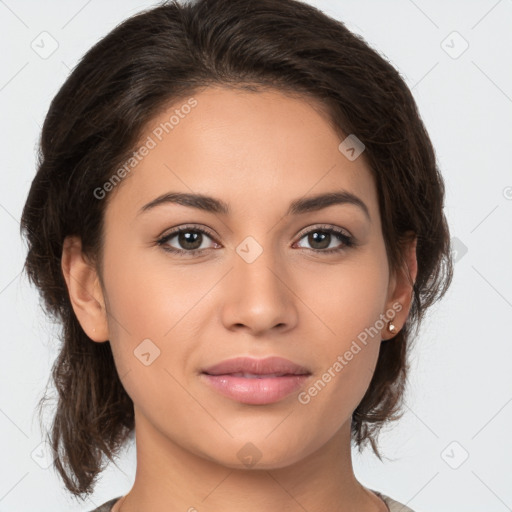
[{"x": 460, "y": 392}]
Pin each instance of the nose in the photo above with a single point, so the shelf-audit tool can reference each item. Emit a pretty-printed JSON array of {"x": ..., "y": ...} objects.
[{"x": 258, "y": 296}]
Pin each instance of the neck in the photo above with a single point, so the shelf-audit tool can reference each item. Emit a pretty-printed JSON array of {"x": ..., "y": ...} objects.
[{"x": 171, "y": 478}]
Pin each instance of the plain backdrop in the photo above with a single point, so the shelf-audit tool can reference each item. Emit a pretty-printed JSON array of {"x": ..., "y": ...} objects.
[{"x": 452, "y": 451}]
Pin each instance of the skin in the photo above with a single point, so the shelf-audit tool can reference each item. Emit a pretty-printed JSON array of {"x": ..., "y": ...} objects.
[{"x": 257, "y": 152}]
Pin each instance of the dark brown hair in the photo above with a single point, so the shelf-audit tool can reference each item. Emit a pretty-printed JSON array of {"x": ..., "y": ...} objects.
[{"x": 168, "y": 53}]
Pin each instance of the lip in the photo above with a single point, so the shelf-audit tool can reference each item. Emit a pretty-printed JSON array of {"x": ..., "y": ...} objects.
[
  {"x": 268, "y": 365},
  {"x": 256, "y": 381}
]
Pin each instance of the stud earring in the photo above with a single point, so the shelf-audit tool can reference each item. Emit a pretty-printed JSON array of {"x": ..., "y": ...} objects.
[{"x": 391, "y": 328}]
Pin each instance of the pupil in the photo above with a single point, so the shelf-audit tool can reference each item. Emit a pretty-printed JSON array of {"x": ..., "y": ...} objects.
[
  {"x": 186, "y": 238},
  {"x": 323, "y": 236}
]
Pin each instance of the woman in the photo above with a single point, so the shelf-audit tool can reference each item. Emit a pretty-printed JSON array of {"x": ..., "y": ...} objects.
[{"x": 238, "y": 221}]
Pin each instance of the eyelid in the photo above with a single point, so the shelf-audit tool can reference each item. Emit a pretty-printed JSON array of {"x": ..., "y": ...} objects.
[
  {"x": 326, "y": 227},
  {"x": 206, "y": 230},
  {"x": 184, "y": 227},
  {"x": 348, "y": 241}
]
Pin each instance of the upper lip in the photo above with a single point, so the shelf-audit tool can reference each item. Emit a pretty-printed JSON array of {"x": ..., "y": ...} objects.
[{"x": 268, "y": 365}]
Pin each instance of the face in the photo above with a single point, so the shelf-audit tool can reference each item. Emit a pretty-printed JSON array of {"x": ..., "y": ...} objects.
[{"x": 308, "y": 284}]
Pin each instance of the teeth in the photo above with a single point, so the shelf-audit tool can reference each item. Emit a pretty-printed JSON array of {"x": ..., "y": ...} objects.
[{"x": 254, "y": 376}]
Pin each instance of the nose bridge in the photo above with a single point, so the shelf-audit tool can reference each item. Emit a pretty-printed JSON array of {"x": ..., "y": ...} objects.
[
  {"x": 256, "y": 266},
  {"x": 259, "y": 298}
]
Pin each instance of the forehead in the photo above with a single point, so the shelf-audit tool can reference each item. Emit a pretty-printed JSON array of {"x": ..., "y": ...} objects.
[{"x": 248, "y": 148}]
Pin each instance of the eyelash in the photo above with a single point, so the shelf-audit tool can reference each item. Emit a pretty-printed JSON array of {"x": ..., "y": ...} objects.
[{"x": 347, "y": 241}]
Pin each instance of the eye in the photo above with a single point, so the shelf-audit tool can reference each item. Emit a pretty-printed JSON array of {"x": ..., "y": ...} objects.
[
  {"x": 321, "y": 237},
  {"x": 190, "y": 238}
]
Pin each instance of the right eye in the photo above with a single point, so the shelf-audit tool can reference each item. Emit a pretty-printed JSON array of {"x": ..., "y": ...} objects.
[{"x": 190, "y": 239}]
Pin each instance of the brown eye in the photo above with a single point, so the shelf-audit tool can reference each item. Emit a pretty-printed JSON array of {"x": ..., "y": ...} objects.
[
  {"x": 189, "y": 240},
  {"x": 320, "y": 239}
]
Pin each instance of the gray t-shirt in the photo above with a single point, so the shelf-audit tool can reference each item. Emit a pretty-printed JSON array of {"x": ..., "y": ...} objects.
[{"x": 394, "y": 506}]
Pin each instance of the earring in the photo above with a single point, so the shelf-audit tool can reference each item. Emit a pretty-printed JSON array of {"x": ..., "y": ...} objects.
[{"x": 391, "y": 328}]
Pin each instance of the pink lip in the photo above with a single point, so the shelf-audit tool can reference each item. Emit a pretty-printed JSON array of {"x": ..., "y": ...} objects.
[
  {"x": 277, "y": 378},
  {"x": 257, "y": 366}
]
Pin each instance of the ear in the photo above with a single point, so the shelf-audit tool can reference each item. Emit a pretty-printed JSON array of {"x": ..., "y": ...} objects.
[
  {"x": 400, "y": 290},
  {"x": 84, "y": 290}
]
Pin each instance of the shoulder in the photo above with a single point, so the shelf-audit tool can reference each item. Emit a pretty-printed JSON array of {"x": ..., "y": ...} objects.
[
  {"x": 107, "y": 506},
  {"x": 393, "y": 505}
]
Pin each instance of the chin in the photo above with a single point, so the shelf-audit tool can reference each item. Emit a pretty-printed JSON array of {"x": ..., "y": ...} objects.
[{"x": 257, "y": 454}]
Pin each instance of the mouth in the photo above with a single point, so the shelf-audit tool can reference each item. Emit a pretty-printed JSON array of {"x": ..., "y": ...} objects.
[
  {"x": 255, "y": 375},
  {"x": 256, "y": 381},
  {"x": 249, "y": 366}
]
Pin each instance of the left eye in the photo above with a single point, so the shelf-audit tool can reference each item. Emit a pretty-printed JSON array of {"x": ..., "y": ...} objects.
[{"x": 324, "y": 237}]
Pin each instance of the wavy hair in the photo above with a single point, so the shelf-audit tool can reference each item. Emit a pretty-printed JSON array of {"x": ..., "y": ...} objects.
[{"x": 162, "y": 55}]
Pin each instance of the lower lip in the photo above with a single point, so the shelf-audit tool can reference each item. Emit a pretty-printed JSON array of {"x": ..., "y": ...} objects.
[{"x": 255, "y": 391}]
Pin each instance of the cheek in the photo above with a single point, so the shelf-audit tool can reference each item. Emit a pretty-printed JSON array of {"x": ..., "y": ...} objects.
[
  {"x": 347, "y": 298},
  {"x": 349, "y": 304},
  {"x": 149, "y": 294},
  {"x": 155, "y": 310},
  {"x": 150, "y": 346}
]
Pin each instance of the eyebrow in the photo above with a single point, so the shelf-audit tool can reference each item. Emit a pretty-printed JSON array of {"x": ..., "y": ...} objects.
[{"x": 297, "y": 207}]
